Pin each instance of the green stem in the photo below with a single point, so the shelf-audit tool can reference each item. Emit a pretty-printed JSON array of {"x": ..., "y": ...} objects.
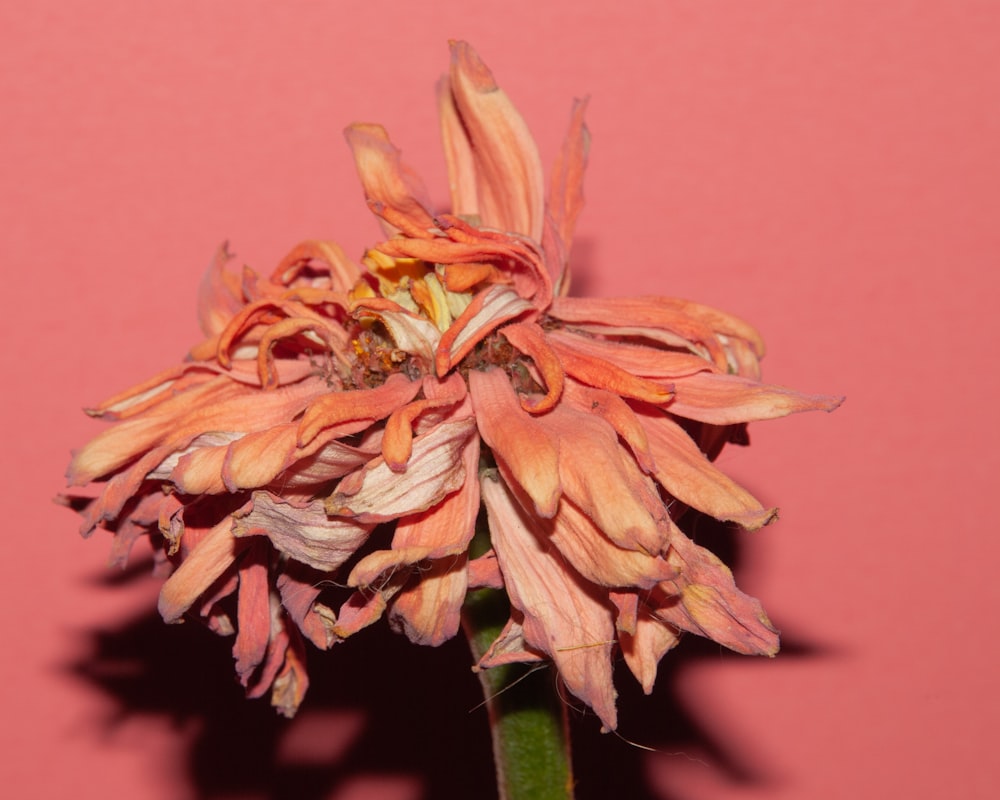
[{"x": 528, "y": 721}]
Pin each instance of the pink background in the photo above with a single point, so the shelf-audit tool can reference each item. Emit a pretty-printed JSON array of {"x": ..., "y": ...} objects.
[{"x": 829, "y": 170}]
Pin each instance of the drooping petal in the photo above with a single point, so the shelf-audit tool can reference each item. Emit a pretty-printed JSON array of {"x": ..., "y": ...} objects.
[
  {"x": 598, "y": 477},
  {"x": 428, "y": 610},
  {"x": 520, "y": 442},
  {"x": 563, "y": 617},
  {"x": 253, "y": 628},
  {"x": 704, "y": 600},
  {"x": 728, "y": 399},
  {"x": 509, "y": 180},
  {"x": 304, "y": 532},
  {"x": 687, "y": 474},
  {"x": 645, "y": 362},
  {"x": 215, "y": 553}
]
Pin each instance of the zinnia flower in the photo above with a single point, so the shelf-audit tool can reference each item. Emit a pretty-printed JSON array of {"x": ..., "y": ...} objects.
[{"x": 342, "y": 424}]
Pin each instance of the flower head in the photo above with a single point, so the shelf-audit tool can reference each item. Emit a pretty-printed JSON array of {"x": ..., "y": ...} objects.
[{"x": 342, "y": 424}]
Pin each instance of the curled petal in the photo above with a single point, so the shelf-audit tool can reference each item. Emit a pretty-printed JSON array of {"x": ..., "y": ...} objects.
[
  {"x": 334, "y": 408},
  {"x": 409, "y": 333},
  {"x": 488, "y": 310},
  {"x": 397, "y": 444},
  {"x": 253, "y": 628},
  {"x": 646, "y": 362},
  {"x": 618, "y": 414},
  {"x": 603, "y": 374},
  {"x": 341, "y": 271},
  {"x": 428, "y": 610},
  {"x": 530, "y": 340}
]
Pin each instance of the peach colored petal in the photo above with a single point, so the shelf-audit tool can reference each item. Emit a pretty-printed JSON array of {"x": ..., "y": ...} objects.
[
  {"x": 599, "y": 478},
  {"x": 646, "y": 362},
  {"x": 435, "y": 470},
  {"x": 219, "y": 296},
  {"x": 687, "y": 474},
  {"x": 484, "y": 572},
  {"x": 214, "y": 554},
  {"x": 566, "y": 187},
  {"x": 617, "y": 413},
  {"x": 603, "y": 374},
  {"x": 409, "y": 333},
  {"x": 319, "y": 332},
  {"x": 428, "y": 609},
  {"x": 361, "y": 404},
  {"x": 563, "y": 617},
  {"x": 641, "y": 312},
  {"x": 727, "y": 399},
  {"x": 458, "y": 154},
  {"x": 219, "y": 405},
  {"x": 488, "y": 310},
  {"x": 596, "y": 558},
  {"x": 298, "y": 587},
  {"x": 531, "y": 340},
  {"x": 393, "y": 190},
  {"x": 304, "y": 532},
  {"x": 291, "y": 682},
  {"x": 253, "y": 628},
  {"x": 508, "y": 167},
  {"x": 643, "y": 648},
  {"x": 704, "y": 600},
  {"x": 439, "y": 532},
  {"x": 397, "y": 443},
  {"x": 521, "y": 443},
  {"x": 510, "y": 646}
]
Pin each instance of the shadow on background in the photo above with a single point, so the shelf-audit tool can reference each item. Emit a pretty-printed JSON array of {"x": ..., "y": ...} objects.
[{"x": 405, "y": 711}]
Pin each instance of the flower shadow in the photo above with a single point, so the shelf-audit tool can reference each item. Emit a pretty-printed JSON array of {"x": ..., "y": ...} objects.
[{"x": 378, "y": 706}]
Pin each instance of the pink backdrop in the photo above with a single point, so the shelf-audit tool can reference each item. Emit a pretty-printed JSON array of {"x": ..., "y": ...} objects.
[{"x": 829, "y": 170}]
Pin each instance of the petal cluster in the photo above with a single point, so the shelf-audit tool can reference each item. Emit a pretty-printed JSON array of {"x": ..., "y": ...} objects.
[{"x": 321, "y": 459}]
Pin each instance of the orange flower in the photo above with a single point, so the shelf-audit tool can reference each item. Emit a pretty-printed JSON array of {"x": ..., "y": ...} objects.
[{"x": 446, "y": 371}]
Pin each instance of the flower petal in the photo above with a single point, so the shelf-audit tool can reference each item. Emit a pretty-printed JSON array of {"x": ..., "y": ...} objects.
[
  {"x": 435, "y": 470},
  {"x": 563, "y": 617},
  {"x": 727, "y": 399},
  {"x": 304, "y": 533},
  {"x": 509, "y": 178},
  {"x": 520, "y": 442},
  {"x": 214, "y": 554},
  {"x": 687, "y": 474}
]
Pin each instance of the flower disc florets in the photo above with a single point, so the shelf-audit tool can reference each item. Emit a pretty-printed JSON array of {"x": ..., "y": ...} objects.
[{"x": 449, "y": 370}]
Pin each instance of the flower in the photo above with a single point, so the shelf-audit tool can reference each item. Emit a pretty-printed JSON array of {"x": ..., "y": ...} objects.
[{"x": 342, "y": 424}]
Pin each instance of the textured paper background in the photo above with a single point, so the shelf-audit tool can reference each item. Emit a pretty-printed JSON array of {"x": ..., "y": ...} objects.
[{"x": 829, "y": 170}]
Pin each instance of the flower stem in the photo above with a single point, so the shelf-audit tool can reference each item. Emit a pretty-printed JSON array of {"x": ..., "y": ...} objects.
[{"x": 528, "y": 721}]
